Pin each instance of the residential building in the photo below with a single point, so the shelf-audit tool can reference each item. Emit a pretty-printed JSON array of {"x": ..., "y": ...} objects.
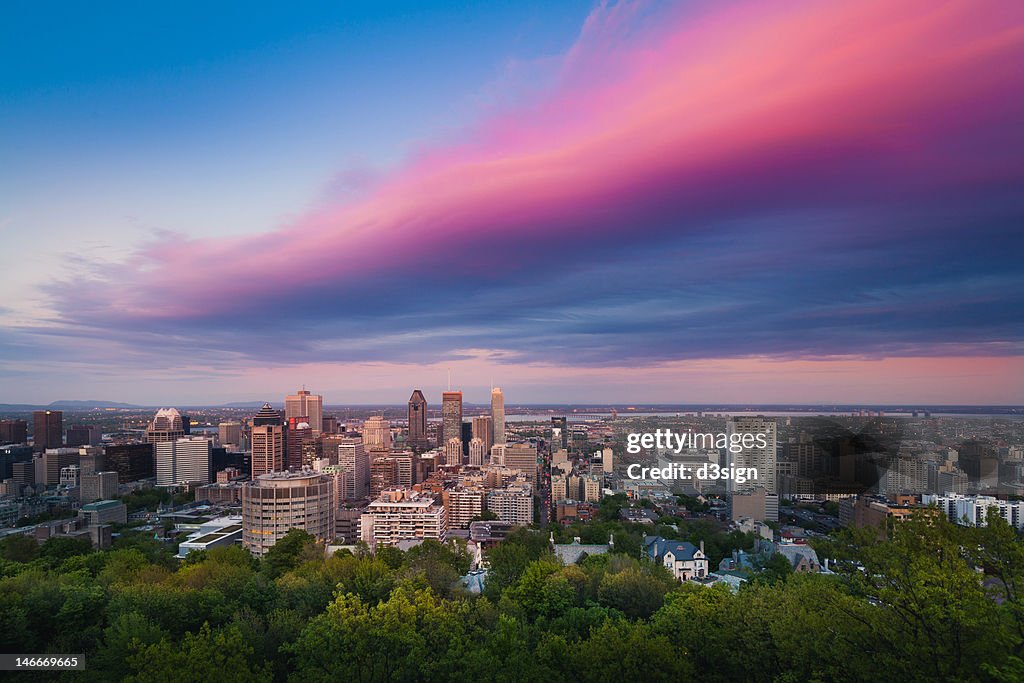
[
  {"x": 512, "y": 504},
  {"x": 402, "y": 515},
  {"x": 685, "y": 560}
]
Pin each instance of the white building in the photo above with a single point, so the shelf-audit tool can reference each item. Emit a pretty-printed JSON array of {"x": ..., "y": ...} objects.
[
  {"x": 685, "y": 560},
  {"x": 352, "y": 456},
  {"x": 217, "y": 533},
  {"x": 973, "y": 510},
  {"x": 512, "y": 504},
  {"x": 756, "y": 456},
  {"x": 188, "y": 459},
  {"x": 477, "y": 452},
  {"x": 377, "y": 434},
  {"x": 402, "y": 515}
]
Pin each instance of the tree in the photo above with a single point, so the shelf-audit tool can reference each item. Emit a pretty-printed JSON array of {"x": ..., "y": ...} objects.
[
  {"x": 221, "y": 655},
  {"x": 19, "y": 548},
  {"x": 295, "y": 547}
]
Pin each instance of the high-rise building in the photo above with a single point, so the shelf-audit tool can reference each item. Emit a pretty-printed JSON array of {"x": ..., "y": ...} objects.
[
  {"x": 131, "y": 461},
  {"x": 48, "y": 429},
  {"x": 300, "y": 444},
  {"x": 453, "y": 453},
  {"x": 498, "y": 415},
  {"x": 305, "y": 404},
  {"x": 98, "y": 486},
  {"x": 483, "y": 430},
  {"x": 230, "y": 433},
  {"x": 13, "y": 431},
  {"x": 498, "y": 454},
  {"x": 512, "y": 504},
  {"x": 383, "y": 474},
  {"x": 377, "y": 434},
  {"x": 274, "y": 503},
  {"x": 267, "y": 442},
  {"x": 82, "y": 435},
  {"x": 451, "y": 416},
  {"x": 352, "y": 456},
  {"x": 607, "y": 460},
  {"x": 403, "y": 515},
  {"x": 188, "y": 459},
  {"x": 418, "y": 420},
  {"x": 522, "y": 457},
  {"x": 477, "y": 452},
  {"x": 559, "y": 432},
  {"x": 762, "y": 459},
  {"x": 463, "y": 503},
  {"x": 166, "y": 425},
  {"x": 51, "y": 461}
]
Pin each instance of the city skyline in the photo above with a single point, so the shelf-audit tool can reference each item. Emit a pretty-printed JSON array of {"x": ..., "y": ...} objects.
[{"x": 777, "y": 202}]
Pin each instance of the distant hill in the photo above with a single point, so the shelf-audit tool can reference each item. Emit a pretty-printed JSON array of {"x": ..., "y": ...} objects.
[{"x": 86, "y": 405}]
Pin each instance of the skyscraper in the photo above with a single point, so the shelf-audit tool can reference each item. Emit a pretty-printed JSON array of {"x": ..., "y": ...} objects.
[
  {"x": 522, "y": 457},
  {"x": 230, "y": 433},
  {"x": 763, "y": 459},
  {"x": 267, "y": 441},
  {"x": 166, "y": 425},
  {"x": 48, "y": 429},
  {"x": 498, "y": 415},
  {"x": 187, "y": 459},
  {"x": 559, "y": 432},
  {"x": 353, "y": 458},
  {"x": 299, "y": 444},
  {"x": 451, "y": 416},
  {"x": 13, "y": 431},
  {"x": 305, "y": 404},
  {"x": 477, "y": 452},
  {"x": 377, "y": 434},
  {"x": 483, "y": 430},
  {"x": 418, "y": 420}
]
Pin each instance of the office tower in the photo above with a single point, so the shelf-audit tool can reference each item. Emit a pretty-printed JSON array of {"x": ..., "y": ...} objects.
[
  {"x": 353, "y": 458},
  {"x": 498, "y": 415},
  {"x": 607, "y": 460},
  {"x": 403, "y": 515},
  {"x": 383, "y": 474},
  {"x": 131, "y": 461},
  {"x": 522, "y": 457},
  {"x": 451, "y": 416},
  {"x": 300, "y": 444},
  {"x": 229, "y": 433},
  {"x": 418, "y": 420},
  {"x": 483, "y": 430},
  {"x": 185, "y": 460},
  {"x": 51, "y": 461},
  {"x": 762, "y": 459},
  {"x": 267, "y": 442},
  {"x": 377, "y": 434},
  {"x": 497, "y": 454},
  {"x": 405, "y": 468},
  {"x": 98, "y": 486},
  {"x": 82, "y": 435},
  {"x": 11, "y": 454},
  {"x": 559, "y": 432},
  {"x": 512, "y": 504},
  {"x": 305, "y": 404},
  {"x": 166, "y": 425},
  {"x": 330, "y": 425},
  {"x": 13, "y": 431},
  {"x": 464, "y": 503},
  {"x": 24, "y": 472},
  {"x": 47, "y": 430},
  {"x": 477, "y": 452},
  {"x": 276, "y": 502},
  {"x": 453, "y": 453}
]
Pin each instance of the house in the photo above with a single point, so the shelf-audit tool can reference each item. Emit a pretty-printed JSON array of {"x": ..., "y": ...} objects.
[
  {"x": 801, "y": 556},
  {"x": 572, "y": 553},
  {"x": 685, "y": 560}
]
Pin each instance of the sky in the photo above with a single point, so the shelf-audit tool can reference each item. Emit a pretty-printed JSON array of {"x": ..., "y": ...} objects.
[{"x": 721, "y": 202}]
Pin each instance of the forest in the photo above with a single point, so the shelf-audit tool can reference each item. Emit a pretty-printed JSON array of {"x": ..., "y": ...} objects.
[{"x": 923, "y": 600}]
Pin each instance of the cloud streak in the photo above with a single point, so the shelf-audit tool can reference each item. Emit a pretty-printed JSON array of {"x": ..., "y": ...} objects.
[{"x": 777, "y": 179}]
